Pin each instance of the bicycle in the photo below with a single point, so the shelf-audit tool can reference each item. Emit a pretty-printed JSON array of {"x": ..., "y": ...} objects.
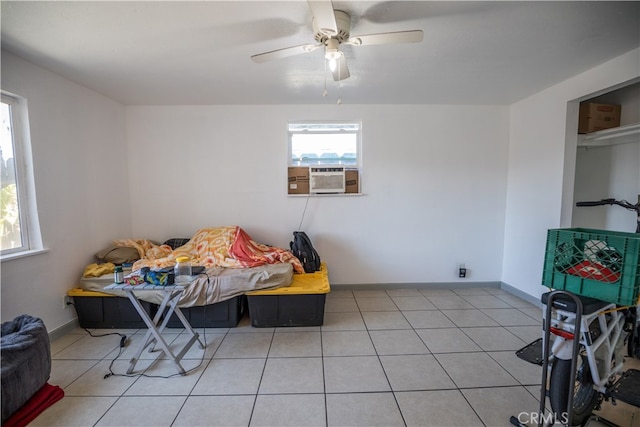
[
  {"x": 633, "y": 347},
  {"x": 586, "y": 355},
  {"x": 582, "y": 347}
]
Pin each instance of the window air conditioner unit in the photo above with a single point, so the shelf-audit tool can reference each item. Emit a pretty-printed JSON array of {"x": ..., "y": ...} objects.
[{"x": 326, "y": 179}]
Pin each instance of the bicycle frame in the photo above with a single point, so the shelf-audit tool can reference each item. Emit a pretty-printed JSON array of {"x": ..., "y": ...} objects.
[{"x": 600, "y": 351}]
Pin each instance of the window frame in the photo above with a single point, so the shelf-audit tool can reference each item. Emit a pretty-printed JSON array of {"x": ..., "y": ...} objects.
[
  {"x": 357, "y": 132},
  {"x": 25, "y": 183}
]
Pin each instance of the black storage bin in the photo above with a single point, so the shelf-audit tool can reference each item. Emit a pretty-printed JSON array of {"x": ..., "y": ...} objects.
[
  {"x": 268, "y": 311},
  {"x": 223, "y": 314},
  {"x": 103, "y": 311}
]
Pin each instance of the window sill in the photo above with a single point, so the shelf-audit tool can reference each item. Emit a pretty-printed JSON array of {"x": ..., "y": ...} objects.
[
  {"x": 23, "y": 254},
  {"x": 326, "y": 195}
]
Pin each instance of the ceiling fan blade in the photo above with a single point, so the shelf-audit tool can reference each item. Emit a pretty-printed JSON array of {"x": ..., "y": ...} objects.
[
  {"x": 324, "y": 15},
  {"x": 412, "y": 36},
  {"x": 284, "y": 53},
  {"x": 341, "y": 71}
]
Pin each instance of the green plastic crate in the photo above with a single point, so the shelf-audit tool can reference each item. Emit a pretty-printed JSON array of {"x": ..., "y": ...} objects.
[{"x": 594, "y": 263}]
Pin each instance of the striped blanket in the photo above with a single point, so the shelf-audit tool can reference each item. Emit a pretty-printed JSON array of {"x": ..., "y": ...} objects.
[{"x": 229, "y": 247}]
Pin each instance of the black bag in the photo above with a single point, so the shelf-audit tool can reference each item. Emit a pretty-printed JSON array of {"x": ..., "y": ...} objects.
[{"x": 303, "y": 250}]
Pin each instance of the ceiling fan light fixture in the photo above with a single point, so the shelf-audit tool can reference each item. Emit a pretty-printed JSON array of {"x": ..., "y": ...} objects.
[
  {"x": 333, "y": 63},
  {"x": 331, "y": 49},
  {"x": 332, "y": 54}
]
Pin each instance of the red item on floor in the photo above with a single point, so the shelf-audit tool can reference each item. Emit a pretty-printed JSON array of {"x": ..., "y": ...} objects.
[
  {"x": 594, "y": 271},
  {"x": 41, "y": 400}
]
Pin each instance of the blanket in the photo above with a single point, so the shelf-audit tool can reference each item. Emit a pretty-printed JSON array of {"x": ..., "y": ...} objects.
[
  {"x": 41, "y": 400},
  {"x": 218, "y": 284},
  {"x": 229, "y": 247}
]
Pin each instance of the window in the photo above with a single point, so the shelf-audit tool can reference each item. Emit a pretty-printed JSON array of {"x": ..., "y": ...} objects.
[
  {"x": 19, "y": 229},
  {"x": 324, "y": 144}
]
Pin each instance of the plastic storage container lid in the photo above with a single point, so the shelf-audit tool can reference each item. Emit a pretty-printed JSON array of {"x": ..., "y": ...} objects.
[
  {"x": 182, "y": 259},
  {"x": 302, "y": 284}
]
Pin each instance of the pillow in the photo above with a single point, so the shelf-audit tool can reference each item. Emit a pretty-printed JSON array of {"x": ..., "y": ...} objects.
[
  {"x": 118, "y": 255},
  {"x": 176, "y": 242}
]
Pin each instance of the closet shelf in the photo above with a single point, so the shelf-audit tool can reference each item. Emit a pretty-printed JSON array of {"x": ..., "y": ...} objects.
[{"x": 613, "y": 136}]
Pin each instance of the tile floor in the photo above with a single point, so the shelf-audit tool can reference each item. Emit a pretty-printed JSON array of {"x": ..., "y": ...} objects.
[{"x": 414, "y": 357}]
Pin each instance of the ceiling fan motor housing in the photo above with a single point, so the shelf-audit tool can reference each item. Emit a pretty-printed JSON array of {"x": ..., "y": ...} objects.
[{"x": 343, "y": 22}]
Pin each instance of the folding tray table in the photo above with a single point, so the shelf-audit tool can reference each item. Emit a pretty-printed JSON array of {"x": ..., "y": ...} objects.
[{"x": 154, "y": 333}]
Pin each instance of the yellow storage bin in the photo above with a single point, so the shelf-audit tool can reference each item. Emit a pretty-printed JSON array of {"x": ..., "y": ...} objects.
[
  {"x": 302, "y": 284},
  {"x": 299, "y": 304},
  {"x": 79, "y": 292}
]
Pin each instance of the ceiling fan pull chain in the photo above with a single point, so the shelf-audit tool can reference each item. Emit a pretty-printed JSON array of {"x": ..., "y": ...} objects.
[
  {"x": 339, "y": 102},
  {"x": 324, "y": 92}
]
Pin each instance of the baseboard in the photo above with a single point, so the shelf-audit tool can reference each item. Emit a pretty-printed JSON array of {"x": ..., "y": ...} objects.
[
  {"x": 64, "y": 329},
  {"x": 423, "y": 285},
  {"x": 523, "y": 295}
]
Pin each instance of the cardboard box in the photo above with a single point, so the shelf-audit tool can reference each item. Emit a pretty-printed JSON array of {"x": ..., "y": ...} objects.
[
  {"x": 298, "y": 180},
  {"x": 351, "y": 179},
  {"x": 595, "y": 117}
]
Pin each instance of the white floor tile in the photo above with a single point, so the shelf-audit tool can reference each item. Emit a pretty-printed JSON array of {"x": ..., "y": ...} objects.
[
  {"x": 497, "y": 405},
  {"x": 397, "y": 342},
  {"x": 469, "y": 318},
  {"x": 230, "y": 376},
  {"x": 378, "y": 320},
  {"x": 354, "y": 374},
  {"x": 142, "y": 411},
  {"x": 351, "y": 321},
  {"x": 494, "y": 338},
  {"x": 415, "y": 372},
  {"x": 470, "y": 370},
  {"x": 347, "y": 343},
  {"x": 289, "y": 410},
  {"x": 438, "y": 408},
  {"x": 292, "y": 375},
  {"x": 428, "y": 319},
  {"x": 376, "y": 304},
  {"x": 94, "y": 383},
  {"x": 447, "y": 340},
  {"x": 64, "y": 372},
  {"x": 216, "y": 411},
  {"x": 250, "y": 345},
  {"x": 363, "y": 409},
  {"x": 296, "y": 344}
]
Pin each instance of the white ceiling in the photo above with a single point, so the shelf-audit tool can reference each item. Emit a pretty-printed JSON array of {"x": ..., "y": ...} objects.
[{"x": 183, "y": 52}]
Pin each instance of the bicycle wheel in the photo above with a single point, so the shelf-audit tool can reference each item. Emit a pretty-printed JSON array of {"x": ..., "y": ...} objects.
[
  {"x": 633, "y": 342},
  {"x": 585, "y": 397},
  {"x": 633, "y": 339}
]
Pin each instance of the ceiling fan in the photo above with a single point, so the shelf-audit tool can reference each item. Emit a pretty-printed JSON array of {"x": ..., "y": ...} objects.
[{"x": 331, "y": 28}]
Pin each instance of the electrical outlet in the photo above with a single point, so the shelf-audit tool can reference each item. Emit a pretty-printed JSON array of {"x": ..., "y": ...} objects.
[
  {"x": 66, "y": 301},
  {"x": 462, "y": 271}
]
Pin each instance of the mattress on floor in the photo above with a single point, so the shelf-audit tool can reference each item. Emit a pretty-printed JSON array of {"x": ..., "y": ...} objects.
[{"x": 218, "y": 284}]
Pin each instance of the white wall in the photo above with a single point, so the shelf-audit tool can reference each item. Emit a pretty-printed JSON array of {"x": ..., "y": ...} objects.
[
  {"x": 542, "y": 156},
  {"x": 79, "y": 157},
  {"x": 434, "y": 182}
]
